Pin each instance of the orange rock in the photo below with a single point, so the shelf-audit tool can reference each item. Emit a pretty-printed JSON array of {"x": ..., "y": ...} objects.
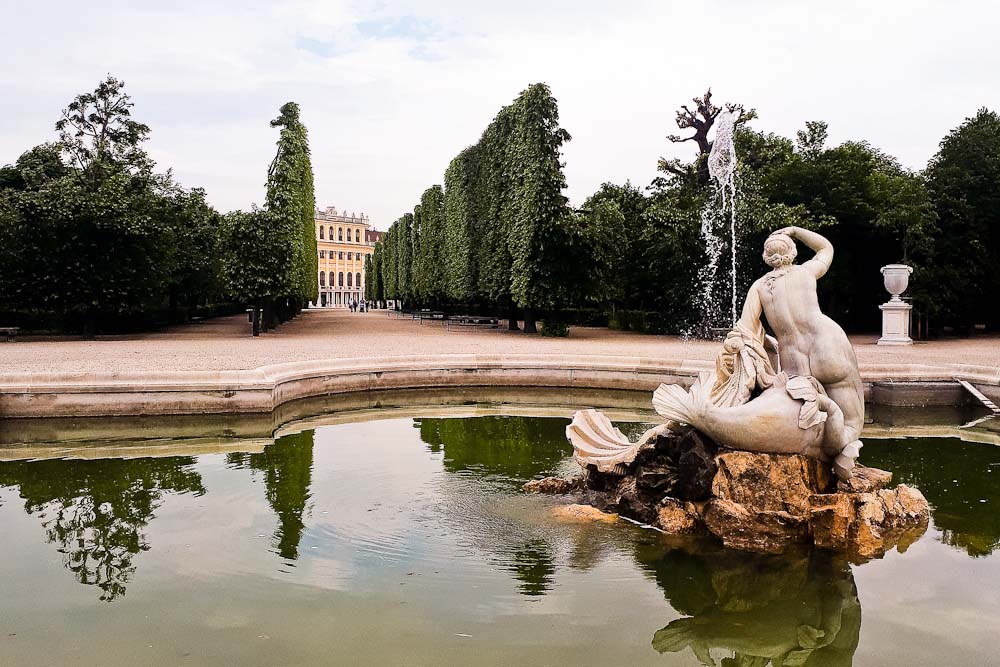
[
  {"x": 677, "y": 518},
  {"x": 770, "y": 482},
  {"x": 831, "y": 516},
  {"x": 765, "y": 531},
  {"x": 582, "y": 514},
  {"x": 865, "y": 480}
]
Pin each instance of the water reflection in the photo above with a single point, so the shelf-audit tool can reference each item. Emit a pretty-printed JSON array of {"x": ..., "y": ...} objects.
[
  {"x": 484, "y": 557},
  {"x": 534, "y": 565},
  {"x": 961, "y": 481},
  {"x": 96, "y": 512},
  {"x": 512, "y": 448},
  {"x": 799, "y": 610},
  {"x": 287, "y": 468}
]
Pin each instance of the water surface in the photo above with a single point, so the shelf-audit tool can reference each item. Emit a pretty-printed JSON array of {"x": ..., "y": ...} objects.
[{"x": 408, "y": 541}]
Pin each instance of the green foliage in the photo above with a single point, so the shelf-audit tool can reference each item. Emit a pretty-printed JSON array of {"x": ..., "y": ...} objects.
[
  {"x": 62, "y": 220},
  {"x": 459, "y": 219},
  {"x": 292, "y": 205},
  {"x": 872, "y": 210},
  {"x": 253, "y": 263},
  {"x": 964, "y": 183},
  {"x": 429, "y": 250},
  {"x": 499, "y": 231},
  {"x": 555, "y": 329}
]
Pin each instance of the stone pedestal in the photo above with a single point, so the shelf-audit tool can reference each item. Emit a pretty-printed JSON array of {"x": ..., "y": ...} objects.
[{"x": 895, "y": 323}]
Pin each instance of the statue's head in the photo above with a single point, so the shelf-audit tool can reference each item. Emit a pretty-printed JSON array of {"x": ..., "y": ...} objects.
[{"x": 779, "y": 250}]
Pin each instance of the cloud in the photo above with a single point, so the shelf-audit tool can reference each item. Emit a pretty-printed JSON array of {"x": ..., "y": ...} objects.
[{"x": 391, "y": 91}]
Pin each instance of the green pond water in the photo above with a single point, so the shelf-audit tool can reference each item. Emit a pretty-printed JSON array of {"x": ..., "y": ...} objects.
[{"x": 408, "y": 541}]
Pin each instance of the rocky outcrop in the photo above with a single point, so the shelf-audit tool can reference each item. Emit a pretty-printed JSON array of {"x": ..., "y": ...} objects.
[
  {"x": 866, "y": 525},
  {"x": 582, "y": 514},
  {"x": 769, "y": 502},
  {"x": 556, "y": 485},
  {"x": 770, "y": 482},
  {"x": 676, "y": 466},
  {"x": 760, "y": 531},
  {"x": 678, "y": 518},
  {"x": 683, "y": 484}
]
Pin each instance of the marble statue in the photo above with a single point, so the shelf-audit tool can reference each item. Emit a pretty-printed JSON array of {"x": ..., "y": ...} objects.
[{"x": 798, "y": 392}]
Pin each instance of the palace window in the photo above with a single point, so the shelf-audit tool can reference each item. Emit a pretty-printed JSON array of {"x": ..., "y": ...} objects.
[
  {"x": 357, "y": 279},
  {"x": 340, "y": 233},
  {"x": 340, "y": 279},
  {"x": 349, "y": 276},
  {"x": 321, "y": 232},
  {"x": 340, "y": 255},
  {"x": 349, "y": 256},
  {"x": 322, "y": 279},
  {"x": 322, "y": 254}
]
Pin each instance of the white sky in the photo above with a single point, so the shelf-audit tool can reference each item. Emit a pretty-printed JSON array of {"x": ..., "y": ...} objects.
[{"x": 391, "y": 91}]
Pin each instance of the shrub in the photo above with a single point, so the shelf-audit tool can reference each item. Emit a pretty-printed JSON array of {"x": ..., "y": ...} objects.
[{"x": 555, "y": 329}]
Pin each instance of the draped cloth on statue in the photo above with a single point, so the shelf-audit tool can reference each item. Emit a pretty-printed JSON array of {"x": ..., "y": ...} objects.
[{"x": 742, "y": 366}]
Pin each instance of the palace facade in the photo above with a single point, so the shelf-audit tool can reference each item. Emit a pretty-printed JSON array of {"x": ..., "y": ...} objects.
[{"x": 344, "y": 242}]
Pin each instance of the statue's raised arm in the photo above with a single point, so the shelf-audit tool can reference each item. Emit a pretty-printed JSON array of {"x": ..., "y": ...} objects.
[{"x": 821, "y": 261}]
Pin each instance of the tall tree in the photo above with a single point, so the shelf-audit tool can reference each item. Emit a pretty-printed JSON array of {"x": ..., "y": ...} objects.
[
  {"x": 429, "y": 260},
  {"x": 964, "y": 182},
  {"x": 292, "y": 201},
  {"x": 700, "y": 119},
  {"x": 61, "y": 222}
]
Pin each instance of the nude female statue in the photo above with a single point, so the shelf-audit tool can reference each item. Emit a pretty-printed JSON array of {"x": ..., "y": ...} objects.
[
  {"x": 809, "y": 342},
  {"x": 798, "y": 394}
]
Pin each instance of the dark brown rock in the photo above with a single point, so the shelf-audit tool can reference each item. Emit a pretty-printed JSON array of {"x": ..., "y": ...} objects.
[
  {"x": 770, "y": 482},
  {"x": 676, "y": 517},
  {"x": 764, "y": 531},
  {"x": 557, "y": 485}
]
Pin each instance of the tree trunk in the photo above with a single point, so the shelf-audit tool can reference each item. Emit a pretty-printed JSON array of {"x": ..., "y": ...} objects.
[
  {"x": 173, "y": 306},
  {"x": 529, "y": 321},
  {"x": 512, "y": 317},
  {"x": 90, "y": 324},
  {"x": 268, "y": 321},
  {"x": 255, "y": 317}
]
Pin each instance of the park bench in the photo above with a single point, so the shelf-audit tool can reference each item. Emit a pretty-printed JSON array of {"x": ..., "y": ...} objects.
[
  {"x": 10, "y": 333},
  {"x": 433, "y": 316},
  {"x": 474, "y": 322}
]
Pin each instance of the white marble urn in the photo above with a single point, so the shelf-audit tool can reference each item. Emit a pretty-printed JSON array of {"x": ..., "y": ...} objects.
[{"x": 896, "y": 278}]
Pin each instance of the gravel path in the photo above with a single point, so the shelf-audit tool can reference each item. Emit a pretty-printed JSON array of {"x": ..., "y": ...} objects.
[{"x": 225, "y": 344}]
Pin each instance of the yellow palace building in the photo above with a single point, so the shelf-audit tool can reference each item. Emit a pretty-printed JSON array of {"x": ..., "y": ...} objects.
[{"x": 343, "y": 242}]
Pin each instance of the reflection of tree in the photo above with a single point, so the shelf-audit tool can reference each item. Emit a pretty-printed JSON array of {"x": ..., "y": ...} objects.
[
  {"x": 955, "y": 478},
  {"x": 786, "y": 610},
  {"x": 287, "y": 469},
  {"x": 533, "y": 565},
  {"x": 96, "y": 511},
  {"x": 514, "y": 448}
]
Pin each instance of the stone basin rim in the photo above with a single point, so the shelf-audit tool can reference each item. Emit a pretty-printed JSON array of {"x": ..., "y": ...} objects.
[{"x": 264, "y": 388}]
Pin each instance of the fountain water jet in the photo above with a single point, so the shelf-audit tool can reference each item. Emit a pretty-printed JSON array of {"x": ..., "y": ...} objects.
[{"x": 719, "y": 209}]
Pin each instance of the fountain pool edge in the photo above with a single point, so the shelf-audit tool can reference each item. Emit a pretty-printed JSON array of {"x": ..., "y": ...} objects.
[{"x": 263, "y": 389}]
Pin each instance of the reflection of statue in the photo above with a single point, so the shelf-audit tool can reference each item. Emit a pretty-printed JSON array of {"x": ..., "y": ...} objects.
[
  {"x": 800, "y": 393},
  {"x": 765, "y": 609}
]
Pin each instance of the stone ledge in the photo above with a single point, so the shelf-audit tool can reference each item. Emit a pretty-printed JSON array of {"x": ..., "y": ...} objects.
[{"x": 265, "y": 388}]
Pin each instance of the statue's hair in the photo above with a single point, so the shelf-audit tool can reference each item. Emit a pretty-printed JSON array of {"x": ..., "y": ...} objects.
[{"x": 779, "y": 250}]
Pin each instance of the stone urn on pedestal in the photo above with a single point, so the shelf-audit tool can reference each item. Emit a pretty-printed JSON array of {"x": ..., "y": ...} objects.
[{"x": 896, "y": 312}]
